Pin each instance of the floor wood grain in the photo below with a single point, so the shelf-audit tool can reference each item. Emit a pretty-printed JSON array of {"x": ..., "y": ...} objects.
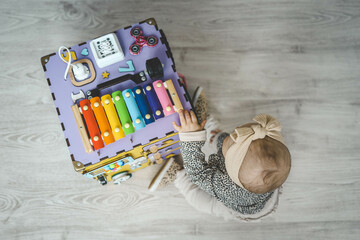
[{"x": 296, "y": 60}]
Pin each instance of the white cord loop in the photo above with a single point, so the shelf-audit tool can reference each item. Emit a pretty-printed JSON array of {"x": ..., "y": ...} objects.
[{"x": 68, "y": 62}]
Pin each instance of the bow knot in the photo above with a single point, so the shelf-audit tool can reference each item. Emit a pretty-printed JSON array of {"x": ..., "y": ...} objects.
[{"x": 259, "y": 132}]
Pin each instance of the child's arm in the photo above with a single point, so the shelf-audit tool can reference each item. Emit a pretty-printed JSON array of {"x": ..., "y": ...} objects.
[{"x": 192, "y": 137}]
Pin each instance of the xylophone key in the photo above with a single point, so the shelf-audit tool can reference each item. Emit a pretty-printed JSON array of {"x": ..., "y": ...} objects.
[
  {"x": 153, "y": 101},
  {"x": 143, "y": 105},
  {"x": 123, "y": 112},
  {"x": 134, "y": 111},
  {"x": 112, "y": 116},
  {"x": 102, "y": 120},
  {"x": 81, "y": 127},
  {"x": 91, "y": 124},
  {"x": 163, "y": 97},
  {"x": 173, "y": 94}
]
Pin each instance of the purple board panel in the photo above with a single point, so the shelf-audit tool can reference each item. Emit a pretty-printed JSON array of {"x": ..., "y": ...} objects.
[{"x": 54, "y": 69}]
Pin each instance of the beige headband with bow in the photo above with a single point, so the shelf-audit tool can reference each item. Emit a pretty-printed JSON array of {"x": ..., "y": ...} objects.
[{"x": 243, "y": 136}]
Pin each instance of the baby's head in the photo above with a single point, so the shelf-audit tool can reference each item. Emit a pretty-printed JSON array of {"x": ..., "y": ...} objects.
[{"x": 255, "y": 156}]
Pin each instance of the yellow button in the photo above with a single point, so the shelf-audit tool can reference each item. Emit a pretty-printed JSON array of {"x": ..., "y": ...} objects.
[
  {"x": 147, "y": 116},
  {"x": 106, "y": 134},
  {"x": 158, "y": 112},
  {"x": 138, "y": 91},
  {"x": 96, "y": 104},
  {"x": 127, "y": 125},
  {"x": 117, "y": 98},
  {"x": 137, "y": 121},
  {"x": 85, "y": 108},
  {"x": 158, "y": 84},
  {"x": 127, "y": 94},
  {"x": 168, "y": 108},
  {"x": 117, "y": 129},
  {"x": 96, "y": 138},
  {"x": 107, "y": 101},
  {"x": 148, "y": 88}
]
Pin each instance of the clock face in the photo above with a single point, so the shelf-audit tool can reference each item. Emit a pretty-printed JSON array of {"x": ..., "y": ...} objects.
[{"x": 107, "y": 50}]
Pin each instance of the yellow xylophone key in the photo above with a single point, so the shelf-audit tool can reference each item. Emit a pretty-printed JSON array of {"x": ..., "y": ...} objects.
[
  {"x": 173, "y": 94},
  {"x": 112, "y": 116}
]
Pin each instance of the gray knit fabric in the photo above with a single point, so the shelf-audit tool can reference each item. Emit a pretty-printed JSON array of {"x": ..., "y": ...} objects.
[{"x": 212, "y": 177}]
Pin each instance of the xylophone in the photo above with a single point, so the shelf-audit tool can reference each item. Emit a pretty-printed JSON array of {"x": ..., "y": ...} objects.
[{"x": 116, "y": 96}]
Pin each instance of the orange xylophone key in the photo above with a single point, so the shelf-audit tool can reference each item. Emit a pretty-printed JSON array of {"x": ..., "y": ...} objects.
[
  {"x": 102, "y": 120},
  {"x": 91, "y": 124}
]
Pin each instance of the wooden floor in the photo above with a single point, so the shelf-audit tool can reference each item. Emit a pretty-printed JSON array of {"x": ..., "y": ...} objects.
[{"x": 296, "y": 60}]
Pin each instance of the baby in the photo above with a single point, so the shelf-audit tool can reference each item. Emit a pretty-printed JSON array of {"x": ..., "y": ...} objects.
[{"x": 250, "y": 164}]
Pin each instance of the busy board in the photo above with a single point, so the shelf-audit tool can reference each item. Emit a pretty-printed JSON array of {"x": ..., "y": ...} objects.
[{"x": 116, "y": 97}]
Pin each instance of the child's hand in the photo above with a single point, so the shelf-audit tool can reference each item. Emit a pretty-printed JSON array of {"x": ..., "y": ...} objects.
[{"x": 188, "y": 122}]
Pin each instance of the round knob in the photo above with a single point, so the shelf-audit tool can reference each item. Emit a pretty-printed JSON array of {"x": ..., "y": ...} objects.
[
  {"x": 158, "y": 84},
  {"x": 117, "y": 129},
  {"x": 159, "y": 161},
  {"x": 157, "y": 155},
  {"x": 107, "y": 101},
  {"x": 168, "y": 108},
  {"x": 147, "y": 116},
  {"x": 158, "y": 112},
  {"x": 96, "y": 104},
  {"x": 137, "y": 121},
  {"x": 153, "y": 149},
  {"x": 85, "y": 108},
  {"x": 127, "y": 94},
  {"x": 148, "y": 88},
  {"x": 138, "y": 91},
  {"x": 106, "y": 134},
  {"x": 117, "y": 98},
  {"x": 127, "y": 125},
  {"x": 96, "y": 138}
]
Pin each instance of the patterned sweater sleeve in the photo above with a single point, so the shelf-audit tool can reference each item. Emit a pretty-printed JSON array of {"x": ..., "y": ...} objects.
[
  {"x": 205, "y": 175},
  {"x": 216, "y": 160}
]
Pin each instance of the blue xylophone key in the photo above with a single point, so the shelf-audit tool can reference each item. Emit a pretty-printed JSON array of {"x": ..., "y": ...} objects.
[
  {"x": 143, "y": 105},
  {"x": 153, "y": 101},
  {"x": 134, "y": 111}
]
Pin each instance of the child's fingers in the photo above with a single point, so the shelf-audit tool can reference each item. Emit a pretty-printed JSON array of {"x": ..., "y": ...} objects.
[
  {"x": 182, "y": 119},
  {"x": 215, "y": 131},
  {"x": 202, "y": 125},
  {"x": 187, "y": 116},
  {"x": 193, "y": 117},
  {"x": 177, "y": 128}
]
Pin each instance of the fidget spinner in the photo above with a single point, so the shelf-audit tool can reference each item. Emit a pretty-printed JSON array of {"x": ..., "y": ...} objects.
[{"x": 141, "y": 40}]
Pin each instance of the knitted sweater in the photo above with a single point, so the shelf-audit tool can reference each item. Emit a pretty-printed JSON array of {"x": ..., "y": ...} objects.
[{"x": 211, "y": 176}]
